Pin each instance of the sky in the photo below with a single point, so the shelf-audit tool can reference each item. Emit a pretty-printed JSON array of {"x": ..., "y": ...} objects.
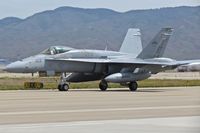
[{"x": 25, "y": 8}]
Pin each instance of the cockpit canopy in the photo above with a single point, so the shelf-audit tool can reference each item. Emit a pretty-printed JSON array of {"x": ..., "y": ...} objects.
[{"x": 53, "y": 50}]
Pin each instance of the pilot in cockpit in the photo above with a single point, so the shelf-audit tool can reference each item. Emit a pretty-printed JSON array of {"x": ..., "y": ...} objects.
[{"x": 56, "y": 50}]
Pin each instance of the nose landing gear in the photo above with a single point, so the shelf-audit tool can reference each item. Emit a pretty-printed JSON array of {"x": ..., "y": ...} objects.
[{"x": 63, "y": 85}]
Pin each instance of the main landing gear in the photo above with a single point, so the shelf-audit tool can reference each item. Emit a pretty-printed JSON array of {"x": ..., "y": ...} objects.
[
  {"x": 63, "y": 85},
  {"x": 133, "y": 86},
  {"x": 103, "y": 85}
]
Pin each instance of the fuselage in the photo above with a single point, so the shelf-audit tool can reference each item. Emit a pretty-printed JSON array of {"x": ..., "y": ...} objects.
[{"x": 37, "y": 63}]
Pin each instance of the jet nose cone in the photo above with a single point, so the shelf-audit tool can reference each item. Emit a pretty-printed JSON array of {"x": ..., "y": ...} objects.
[
  {"x": 14, "y": 67},
  {"x": 10, "y": 67}
]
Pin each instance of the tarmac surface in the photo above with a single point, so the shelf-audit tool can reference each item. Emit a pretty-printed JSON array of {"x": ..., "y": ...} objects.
[{"x": 116, "y": 110}]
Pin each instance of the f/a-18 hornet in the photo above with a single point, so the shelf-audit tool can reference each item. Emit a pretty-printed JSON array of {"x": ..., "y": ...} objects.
[{"x": 129, "y": 65}]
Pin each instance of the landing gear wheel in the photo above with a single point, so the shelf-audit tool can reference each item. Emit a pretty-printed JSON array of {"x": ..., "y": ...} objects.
[
  {"x": 133, "y": 86},
  {"x": 63, "y": 87},
  {"x": 103, "y": 85}
]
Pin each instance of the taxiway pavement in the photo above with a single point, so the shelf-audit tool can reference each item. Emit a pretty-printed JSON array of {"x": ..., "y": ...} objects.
[{"x": 36, "y": 110}]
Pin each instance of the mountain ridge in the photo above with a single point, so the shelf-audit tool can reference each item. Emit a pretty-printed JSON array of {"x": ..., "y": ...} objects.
[{"x": 97, "y": 28}]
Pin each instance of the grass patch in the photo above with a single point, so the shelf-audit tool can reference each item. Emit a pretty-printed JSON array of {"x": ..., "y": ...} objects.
[
  {"x": 168, "y": 83},
  {"x": 51, "y": 83}
]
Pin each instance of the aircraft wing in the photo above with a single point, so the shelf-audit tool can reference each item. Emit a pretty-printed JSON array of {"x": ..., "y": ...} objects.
[
  {"x": 128, "y": 61},
  {"x": 185, "y": 62},
  {"x": 110, "y": 61},
  {"x": 152, "y": 65}
]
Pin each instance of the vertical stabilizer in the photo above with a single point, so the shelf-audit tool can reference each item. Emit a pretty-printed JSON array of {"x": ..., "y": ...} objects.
[
  {"x": 132, "y": 43},
  {"x": 157, "y": 46}
]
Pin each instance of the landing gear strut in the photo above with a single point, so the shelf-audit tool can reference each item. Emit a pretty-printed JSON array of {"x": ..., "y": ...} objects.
[
  {"x": 103, "y": 85},
  {"x": 133, "y": 86},
  {"x": 63, "y": 85}
]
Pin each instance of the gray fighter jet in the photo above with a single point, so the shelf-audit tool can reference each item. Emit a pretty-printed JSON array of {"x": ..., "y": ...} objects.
[{"x": 126, "y": 67}]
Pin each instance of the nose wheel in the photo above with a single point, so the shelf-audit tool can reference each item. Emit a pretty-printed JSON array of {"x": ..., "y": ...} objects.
[
  {"x": 63, "y": 87},
  {"x": 103, "y": 85}
]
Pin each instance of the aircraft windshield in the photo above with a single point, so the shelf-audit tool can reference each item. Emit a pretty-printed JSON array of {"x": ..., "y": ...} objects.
[{"x": 56, "y": 50}]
